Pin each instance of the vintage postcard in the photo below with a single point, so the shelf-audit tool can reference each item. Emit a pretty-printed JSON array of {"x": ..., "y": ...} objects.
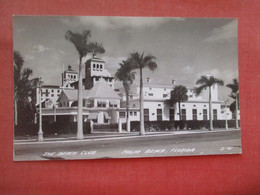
[{"x": 90, "y": 87}]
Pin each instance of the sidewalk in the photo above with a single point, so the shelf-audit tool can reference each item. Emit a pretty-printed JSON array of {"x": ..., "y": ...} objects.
[{"x": 116, "y": 135}]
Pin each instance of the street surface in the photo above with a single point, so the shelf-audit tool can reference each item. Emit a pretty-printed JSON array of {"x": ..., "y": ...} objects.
[{"x": 217, "y": 142}]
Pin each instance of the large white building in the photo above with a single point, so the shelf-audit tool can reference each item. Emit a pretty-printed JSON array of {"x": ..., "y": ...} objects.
[{"x": 103, "y": 104}]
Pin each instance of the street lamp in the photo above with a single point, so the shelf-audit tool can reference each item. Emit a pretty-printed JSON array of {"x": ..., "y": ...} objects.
[
  {"x": 226, "y": 101},
  {"x": 237, "y": 109},
  {"x": 40, "y": 132}
]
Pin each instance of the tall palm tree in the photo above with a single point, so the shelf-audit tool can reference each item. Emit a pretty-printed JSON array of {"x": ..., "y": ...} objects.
[
  {"x": 83, "y": 46},
  {"x": 127, "y": 76},
  {"x": 22, "y": 86},
  {"x": 178, "y": 95},
  {"x": 208, "y": 82},
  {"x": 235, "y": 95},
  {"x": 140, "y": 61}
]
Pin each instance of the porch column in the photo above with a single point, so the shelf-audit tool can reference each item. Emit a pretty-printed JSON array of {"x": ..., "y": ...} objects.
[
  {"x": 91, "y": 126},
  {"x": 128, "y": 126},
  {"x": 119, "y": 125}
]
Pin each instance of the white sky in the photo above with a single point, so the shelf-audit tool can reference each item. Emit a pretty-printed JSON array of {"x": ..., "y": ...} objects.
[{"x": 185, "y": 48}]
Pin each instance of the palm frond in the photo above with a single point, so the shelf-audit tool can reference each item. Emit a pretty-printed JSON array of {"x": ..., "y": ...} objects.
[
  {"x": 202, "y": 80},
  {"x": 95, "y": 48},
  {"x": 198, "y": 90},
  {"x": 152, "y": 65}
]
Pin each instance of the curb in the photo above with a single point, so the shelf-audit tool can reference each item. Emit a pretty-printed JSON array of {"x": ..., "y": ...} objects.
[{"x": 113, "y": 137}]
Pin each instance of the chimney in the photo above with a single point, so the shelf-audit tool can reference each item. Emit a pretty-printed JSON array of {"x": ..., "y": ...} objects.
[{"x": 69, "y": 67}]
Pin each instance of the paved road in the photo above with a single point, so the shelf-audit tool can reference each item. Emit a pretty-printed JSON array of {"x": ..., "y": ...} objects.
[{"x": 221, "y": 142}]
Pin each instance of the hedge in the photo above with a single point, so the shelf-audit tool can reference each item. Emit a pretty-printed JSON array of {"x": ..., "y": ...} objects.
[
  {"x": 51, "y": 129},
  {"x": 179, "y": 125}
]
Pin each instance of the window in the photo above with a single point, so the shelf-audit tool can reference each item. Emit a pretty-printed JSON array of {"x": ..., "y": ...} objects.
[
  {"x": 94, "y": 66},
  {"x": 97, "y": 67},
  {"x": 150, "y": 88},
  {"x": 165, "y": 95},
  {"x": 52, "y": 95},
  {"x": 146, "y": 114},
  {"x": 131, "y": 97},
  {"x": 101, "y": 67},
  {"x": 52, "y": 90},
  {"x": 172, "y": 115},
  {"x": 131, "y": 113},
  {"x": 121, "y": 114},
  {"x": 150, "y": 94},
  {"x": 159, "y": 114},
  {"x": 101, "y": 104},
  {"x": 183, "y": 114},
  {"x": 159, "y": 105},
  {"x": 215, "y": 114},
  {"x": 135, "y": 113},
  {"x": 205, "y": 114},
  {"x": 105, "y": 119},
  {"x": 194, "y": 114},
  {"x": 58, "y": 91}
]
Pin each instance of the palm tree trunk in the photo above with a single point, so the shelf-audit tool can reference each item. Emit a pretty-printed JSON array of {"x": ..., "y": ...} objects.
[
  {"x": 127, "y": 109},
  {"x": 179, "y": 105},
  {"x": 210, "y": 111},
  {"x": 15, "y": 112},
  {"x": 80, "y": 119},
  {"x": 142, "y": 130}
]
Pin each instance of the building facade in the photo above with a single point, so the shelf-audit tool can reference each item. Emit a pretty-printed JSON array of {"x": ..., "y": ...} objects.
[{"x": 103, "y": 104}]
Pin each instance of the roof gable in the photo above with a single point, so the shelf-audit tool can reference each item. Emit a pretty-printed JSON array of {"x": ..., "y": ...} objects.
[
  {"x": 72, "y": 94},
  {"x": 102, "y": 89}
]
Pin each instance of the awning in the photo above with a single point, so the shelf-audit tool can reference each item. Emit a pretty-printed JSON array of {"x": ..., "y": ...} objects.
[
  {"x": 113, "y": 102},
  {"x": 92, "y": 116},
  {"x": 107, "y": 116}
]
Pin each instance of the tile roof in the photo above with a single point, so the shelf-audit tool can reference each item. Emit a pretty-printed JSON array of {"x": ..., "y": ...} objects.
[
  {"x": 102, "y": 89},
  {"x": 72, "y": 94}
]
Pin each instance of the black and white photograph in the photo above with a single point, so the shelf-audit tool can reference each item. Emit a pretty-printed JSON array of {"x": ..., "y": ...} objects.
[{"x": 99, "y": 87}]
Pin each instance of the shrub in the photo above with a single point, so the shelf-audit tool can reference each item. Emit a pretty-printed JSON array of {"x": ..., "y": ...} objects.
[
  {"x": 106, "y": 126},
  {"x": 179, "y": 125},
  {"x": 51, "y": 129}
]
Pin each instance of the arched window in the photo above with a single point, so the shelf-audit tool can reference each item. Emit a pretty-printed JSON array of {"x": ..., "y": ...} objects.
[
  {"x": 74, "y": 104},
  {"x": 94, "y": 66}
]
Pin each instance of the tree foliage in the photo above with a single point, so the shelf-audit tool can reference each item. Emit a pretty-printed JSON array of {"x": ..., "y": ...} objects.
[
  {"x": 141, "y": 61},
  {"x": 83, "y": 46},
  {"x": 234, "y": 90},
  {"x": 24, "y": 109},
  {"x": 126, "y": 74},
  {"x": 207, "y": 81},
  {"x": 179, "y": 94}
]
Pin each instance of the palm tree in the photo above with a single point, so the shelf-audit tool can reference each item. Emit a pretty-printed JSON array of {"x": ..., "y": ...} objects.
[
  {"x": 83, "y": 46},
  {"x": 22, "y": 86},
  {"x": 235, "y": 95},
  {"x": 208, "y": 82},
  {"x": 178, "y": 95},
  {"x": 127, "y": 76},
  {"x": 140, "y": 61}
]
